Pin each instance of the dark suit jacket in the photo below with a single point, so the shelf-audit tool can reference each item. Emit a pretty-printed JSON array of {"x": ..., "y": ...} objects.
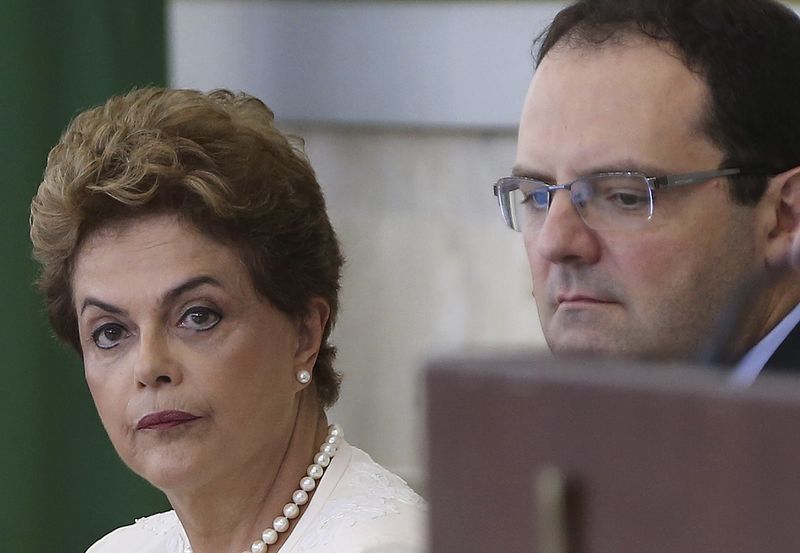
[{"x": 787, "y": 356}]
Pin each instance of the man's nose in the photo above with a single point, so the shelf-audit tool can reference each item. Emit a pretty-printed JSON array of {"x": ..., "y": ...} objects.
[
  {"x": 157, "y": 363},
  {"x": 563, "y": 237}
]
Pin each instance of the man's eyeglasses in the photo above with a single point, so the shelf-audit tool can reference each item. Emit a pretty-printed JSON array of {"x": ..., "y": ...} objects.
[{"x": 618, "y": 200}]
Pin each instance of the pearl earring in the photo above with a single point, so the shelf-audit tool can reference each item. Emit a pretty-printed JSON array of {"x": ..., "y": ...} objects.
[{"x": 303, "y": 377}]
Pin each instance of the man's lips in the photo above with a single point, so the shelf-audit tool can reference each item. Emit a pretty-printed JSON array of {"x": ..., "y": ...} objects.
[
  {"x": 580, "y": 298},
  {"x": 164, "y": 419}
]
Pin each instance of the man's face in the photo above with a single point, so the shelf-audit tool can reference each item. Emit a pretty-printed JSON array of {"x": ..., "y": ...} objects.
[{"x": 655, "y": 292}]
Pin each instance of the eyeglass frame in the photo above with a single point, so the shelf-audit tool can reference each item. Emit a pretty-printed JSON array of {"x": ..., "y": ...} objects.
[{"x": 653, "y": 183}]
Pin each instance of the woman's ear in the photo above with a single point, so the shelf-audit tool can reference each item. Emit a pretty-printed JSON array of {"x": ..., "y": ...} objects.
[
  {"x": 310, "y": 331},
  {"x": 783, "y": 242}
]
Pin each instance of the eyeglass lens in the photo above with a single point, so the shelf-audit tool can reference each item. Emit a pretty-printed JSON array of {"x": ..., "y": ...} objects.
[{"x": 602, "y": 201}]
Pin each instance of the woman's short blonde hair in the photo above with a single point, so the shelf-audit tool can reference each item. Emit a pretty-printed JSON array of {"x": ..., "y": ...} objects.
[{"x": 217, "y": 161}]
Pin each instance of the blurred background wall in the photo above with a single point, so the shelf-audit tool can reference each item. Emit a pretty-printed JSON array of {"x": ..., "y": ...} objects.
[{"x": 409, "y": 113}]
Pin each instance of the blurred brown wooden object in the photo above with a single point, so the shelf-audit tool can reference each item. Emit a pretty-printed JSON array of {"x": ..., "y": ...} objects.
[{"x": 656, "y": 459}]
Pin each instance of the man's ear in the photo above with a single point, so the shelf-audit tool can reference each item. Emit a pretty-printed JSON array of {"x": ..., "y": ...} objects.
[
  {"x": 783, "y": 242},
  {"x": 796, "y": 252}
]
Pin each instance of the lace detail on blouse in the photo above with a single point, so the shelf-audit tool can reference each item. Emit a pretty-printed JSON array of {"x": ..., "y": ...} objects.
[
  {"x": 160, "y": 524},
  {"x": 168, "y": 526},
  {"x": 370, "y": 492}
]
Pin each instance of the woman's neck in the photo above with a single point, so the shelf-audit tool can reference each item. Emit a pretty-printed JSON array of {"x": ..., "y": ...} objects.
[{"x": 230, "y": 513}]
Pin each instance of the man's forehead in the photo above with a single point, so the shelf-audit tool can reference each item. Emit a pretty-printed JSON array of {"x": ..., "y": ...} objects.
[
  {"x": 632, "y": 56},
  {"x": 629, "y": 102}
]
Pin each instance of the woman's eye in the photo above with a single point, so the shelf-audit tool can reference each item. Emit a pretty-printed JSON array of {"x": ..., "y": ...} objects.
[
  {"x": 109, "y": 335},
  {"x": 200, "y": 318}
]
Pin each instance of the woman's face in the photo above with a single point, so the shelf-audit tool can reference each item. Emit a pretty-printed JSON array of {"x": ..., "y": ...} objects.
[{"x": 192, "y": 372}]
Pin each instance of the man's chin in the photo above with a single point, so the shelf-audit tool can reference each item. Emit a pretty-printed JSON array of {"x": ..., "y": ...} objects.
[
  {"x": 588, "y": 350},
  {"x": 583, "y": 342},
  {"x": 588, "y": 341},
  {"x": 607, "y": 349}
]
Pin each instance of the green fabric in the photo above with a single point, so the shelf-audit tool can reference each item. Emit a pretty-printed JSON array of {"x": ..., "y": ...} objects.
[{"x": 61, "y": 484}]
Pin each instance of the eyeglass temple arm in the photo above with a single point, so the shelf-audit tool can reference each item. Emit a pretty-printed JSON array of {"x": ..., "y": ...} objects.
[{"x": 701, "y": 176}]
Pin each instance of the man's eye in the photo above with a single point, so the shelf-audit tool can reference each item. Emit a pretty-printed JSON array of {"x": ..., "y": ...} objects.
[
  {"x": 538, "y": 199},
  {"x": 109, "y": 335},
  {"x": 628, "y": 200},
  {"x": 200, "y": 318}
]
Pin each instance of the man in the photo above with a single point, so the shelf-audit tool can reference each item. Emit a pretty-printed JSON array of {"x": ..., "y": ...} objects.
[{"x": 672, "y": 129}]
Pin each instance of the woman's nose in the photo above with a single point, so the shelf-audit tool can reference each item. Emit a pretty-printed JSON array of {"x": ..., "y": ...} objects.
[{"x": 157, "y": 363}]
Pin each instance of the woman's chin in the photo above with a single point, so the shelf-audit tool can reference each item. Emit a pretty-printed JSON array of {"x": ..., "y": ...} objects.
[{"x": 169, "y": 472}]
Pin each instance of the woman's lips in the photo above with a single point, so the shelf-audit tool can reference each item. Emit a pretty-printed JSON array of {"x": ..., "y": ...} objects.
[{"x": 164, "y": 419}]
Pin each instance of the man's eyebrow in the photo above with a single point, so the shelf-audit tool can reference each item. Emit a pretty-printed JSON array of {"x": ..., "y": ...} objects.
[
  {"x": 625, "y": 165},
  {"x": 519, "y": 171},
  {"x": 169, "y": 296},
  {"x": 612, "y": 167}
]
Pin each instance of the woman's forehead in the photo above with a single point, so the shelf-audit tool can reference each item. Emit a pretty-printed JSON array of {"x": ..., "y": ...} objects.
[{"x": 151, "y": 256}]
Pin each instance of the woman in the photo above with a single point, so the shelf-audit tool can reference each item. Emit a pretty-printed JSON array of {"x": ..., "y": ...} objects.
[{"x": 186, "y": 254}]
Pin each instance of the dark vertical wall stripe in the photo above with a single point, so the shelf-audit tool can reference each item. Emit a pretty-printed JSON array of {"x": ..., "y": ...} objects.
[{"x": 61, "y": 484}]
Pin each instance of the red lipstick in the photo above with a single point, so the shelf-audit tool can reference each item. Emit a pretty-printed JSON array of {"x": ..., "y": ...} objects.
[{"x": 164, "y": 419}]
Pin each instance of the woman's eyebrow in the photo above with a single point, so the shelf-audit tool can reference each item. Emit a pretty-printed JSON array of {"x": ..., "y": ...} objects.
[
  {"x": 190, "y": 284},
  {"x": 102, "y": 305},
  {"x": 169, "y": 296}
]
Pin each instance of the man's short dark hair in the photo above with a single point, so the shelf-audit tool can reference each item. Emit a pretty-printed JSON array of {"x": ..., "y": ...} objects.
[{"x": 747, "y": 51}]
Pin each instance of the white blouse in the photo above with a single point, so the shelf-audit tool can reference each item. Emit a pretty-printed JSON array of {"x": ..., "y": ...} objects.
[{"x": 358, "y": 507}]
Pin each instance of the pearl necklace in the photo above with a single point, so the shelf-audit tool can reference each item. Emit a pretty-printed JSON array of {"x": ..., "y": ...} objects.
[{"x": 300, "y": 496}]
